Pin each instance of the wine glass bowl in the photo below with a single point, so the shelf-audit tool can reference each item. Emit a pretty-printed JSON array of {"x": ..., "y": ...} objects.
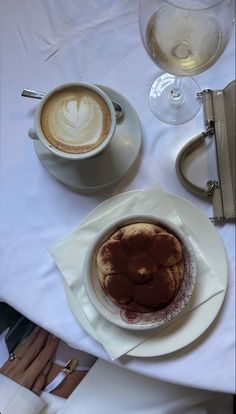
[{"x": 183, "y": 38}]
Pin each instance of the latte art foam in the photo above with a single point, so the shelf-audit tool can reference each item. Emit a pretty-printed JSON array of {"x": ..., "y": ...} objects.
[
  {"x": 76, "y": 123},
  {"x": 75, "y": 119}
]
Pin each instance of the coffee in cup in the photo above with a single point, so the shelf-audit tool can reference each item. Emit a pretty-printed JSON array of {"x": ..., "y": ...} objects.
[{"x": 75, "y": 121}]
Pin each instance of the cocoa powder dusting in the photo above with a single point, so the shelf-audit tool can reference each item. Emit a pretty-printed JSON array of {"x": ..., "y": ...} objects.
[
  {"x": 113, "y": 254},
  {"x": 141, "y": 279},
  {"x": 165, "y": 247},
  {"x": 119, "y": 288},
  {"x": 136, "y": 242},
  {"x": 157, "y": 292}
]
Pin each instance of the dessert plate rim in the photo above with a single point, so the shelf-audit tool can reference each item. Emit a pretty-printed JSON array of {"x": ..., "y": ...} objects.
[{"x": 189, "y": 327}]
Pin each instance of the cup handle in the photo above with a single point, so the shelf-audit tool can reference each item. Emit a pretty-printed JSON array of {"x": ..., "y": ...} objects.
[{"x": 32, "y": 134}]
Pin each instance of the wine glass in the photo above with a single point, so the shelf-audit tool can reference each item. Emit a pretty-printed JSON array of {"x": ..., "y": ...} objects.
[{"x": 183, "y": 37}]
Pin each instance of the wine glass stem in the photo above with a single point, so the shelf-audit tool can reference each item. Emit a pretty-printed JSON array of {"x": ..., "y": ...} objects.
[{"x": 176, "y": 96}]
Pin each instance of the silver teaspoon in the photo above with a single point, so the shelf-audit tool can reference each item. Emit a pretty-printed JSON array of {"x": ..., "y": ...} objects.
[{"x": 29, "y": 93}]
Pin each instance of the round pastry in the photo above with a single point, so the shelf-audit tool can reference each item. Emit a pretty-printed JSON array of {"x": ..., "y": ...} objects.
[
  {"x": 158, "y": 292},
  {"x": 119, "y": 287},
  {"x": 111, "y": 257},
  {"x": 166, "y": 249},
  {"x": 141, "y": 267},
  {"x": 137, "y": 236}
]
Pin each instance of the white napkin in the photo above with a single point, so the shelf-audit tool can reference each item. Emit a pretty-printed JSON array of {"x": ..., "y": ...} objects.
[{"x": 69, "y": 254}]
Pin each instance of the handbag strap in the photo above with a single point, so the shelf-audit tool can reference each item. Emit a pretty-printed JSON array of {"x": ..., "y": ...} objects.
[{"x": 191, "y": 146}]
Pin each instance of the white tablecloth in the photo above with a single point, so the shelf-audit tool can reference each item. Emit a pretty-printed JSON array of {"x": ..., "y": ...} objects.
[{"x": 46, "y": 43}]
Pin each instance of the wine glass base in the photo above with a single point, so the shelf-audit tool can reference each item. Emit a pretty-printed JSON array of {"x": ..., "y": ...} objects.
[{"x": 173, "y": 109}]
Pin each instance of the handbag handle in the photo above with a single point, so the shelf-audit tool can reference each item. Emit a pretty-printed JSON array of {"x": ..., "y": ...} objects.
[{"x": 180, "y": 160}]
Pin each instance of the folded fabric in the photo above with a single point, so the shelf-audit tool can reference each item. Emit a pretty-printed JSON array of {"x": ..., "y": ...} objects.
[{"x": 69, "y": 254}]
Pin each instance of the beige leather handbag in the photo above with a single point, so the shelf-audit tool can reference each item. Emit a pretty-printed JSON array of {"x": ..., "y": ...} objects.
[{"x": 219, "y": 116}]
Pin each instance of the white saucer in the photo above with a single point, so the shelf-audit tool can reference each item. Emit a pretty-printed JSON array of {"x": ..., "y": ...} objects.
[
  {"x": 189, "y": 327},
  {"x": 105, "y": 168}
]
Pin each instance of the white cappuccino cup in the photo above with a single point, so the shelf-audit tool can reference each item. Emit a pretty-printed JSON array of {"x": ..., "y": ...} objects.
[{"x": 75, "y": 121}]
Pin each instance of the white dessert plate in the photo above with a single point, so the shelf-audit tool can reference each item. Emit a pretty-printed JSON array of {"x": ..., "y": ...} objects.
[
  {"x": 187, "y": 328},
  {"x": 107, "y": 167}
]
